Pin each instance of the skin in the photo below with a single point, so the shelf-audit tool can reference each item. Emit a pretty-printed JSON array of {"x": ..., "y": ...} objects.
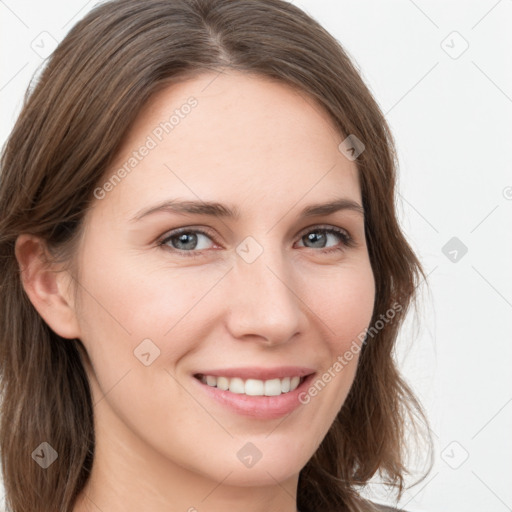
[{"x": 161, "y": 443}]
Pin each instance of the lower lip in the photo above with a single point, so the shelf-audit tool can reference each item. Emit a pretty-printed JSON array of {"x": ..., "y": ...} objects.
[{"x": 263, "y": 407}]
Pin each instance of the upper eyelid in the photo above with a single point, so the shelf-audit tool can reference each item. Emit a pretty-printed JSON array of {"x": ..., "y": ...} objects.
[{"x": 326, "y": 227}]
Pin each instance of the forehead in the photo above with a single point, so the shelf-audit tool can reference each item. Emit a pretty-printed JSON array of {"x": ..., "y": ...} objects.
[{"x": 235, "y": 138}]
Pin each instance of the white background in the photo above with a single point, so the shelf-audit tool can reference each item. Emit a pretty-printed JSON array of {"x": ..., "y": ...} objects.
[{"x": 450, "y": 111}]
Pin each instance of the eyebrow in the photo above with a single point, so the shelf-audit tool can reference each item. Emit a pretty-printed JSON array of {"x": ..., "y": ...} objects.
[{"x": 216, "y": 209}]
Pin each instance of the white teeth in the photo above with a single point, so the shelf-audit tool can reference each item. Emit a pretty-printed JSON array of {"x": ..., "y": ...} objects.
[
  {"x": 273, "y": 387},
  {"x": 253, "y": 387},
  {"x": 236, "y": 385},
  {"x": 222, "y": 383},
  {"x": 294, "y": 382}
]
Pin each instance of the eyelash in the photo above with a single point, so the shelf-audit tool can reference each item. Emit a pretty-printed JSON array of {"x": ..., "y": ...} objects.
[{"x": 346, "y": 239}]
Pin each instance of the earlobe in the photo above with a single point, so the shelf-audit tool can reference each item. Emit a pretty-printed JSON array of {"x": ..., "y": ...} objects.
[{"x": 46, "y": 286}]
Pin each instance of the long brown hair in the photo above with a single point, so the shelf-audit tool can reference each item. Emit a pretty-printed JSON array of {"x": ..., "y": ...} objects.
[{"x": 71, "y": 126}]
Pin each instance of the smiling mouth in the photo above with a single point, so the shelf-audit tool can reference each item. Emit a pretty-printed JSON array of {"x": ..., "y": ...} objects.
[{"x": 252, "y": 387}]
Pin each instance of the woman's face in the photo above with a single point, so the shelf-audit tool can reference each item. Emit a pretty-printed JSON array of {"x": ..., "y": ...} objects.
[{"x": 172, "y": 288}]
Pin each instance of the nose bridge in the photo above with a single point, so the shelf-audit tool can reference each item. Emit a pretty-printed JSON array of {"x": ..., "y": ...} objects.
[{"x": 263, "y": 303}]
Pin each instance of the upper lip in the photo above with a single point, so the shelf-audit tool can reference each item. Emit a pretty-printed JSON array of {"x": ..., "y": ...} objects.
[{"x": 260, "y": 373}]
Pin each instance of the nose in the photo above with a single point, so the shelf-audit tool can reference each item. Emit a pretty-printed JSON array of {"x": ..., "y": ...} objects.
[{"x": 263, "y": 304}]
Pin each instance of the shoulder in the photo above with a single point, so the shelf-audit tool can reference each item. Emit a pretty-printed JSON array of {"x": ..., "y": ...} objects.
[{"x": 376, "y": 507}]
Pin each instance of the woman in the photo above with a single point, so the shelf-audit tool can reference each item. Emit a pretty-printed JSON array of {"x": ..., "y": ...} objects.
[{"x": 204, "y": 276}]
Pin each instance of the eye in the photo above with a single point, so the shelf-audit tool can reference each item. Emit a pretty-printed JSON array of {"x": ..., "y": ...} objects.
[
  {"x": 320, "y": 235},
  {"x": 186, "y": 240},
  {"x": 190, "y": 242}
]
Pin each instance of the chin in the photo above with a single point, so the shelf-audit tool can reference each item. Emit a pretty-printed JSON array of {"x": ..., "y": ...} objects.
[{"x": 269, "y": 465}]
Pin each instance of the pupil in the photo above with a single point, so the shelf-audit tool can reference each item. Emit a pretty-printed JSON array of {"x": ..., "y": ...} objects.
[
  {"x": 313, "y": 237},
  {"x": 182, "y": 240}
]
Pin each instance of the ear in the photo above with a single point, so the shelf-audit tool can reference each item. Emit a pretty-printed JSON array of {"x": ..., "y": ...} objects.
[{"x": 47, "y": 286}]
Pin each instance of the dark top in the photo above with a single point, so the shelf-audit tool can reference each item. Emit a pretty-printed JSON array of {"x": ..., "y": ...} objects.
[
  {"x": 382, "y": 508},
  {"x": 386, "y": 508}
]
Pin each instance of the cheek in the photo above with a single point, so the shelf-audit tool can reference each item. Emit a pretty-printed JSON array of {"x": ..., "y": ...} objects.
[
  {"x": 344, "y": 307},
  {"x": 344, "y": 302},
  {"x": 136, "y": 298},
  {"x": 128, "y": 310}
]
